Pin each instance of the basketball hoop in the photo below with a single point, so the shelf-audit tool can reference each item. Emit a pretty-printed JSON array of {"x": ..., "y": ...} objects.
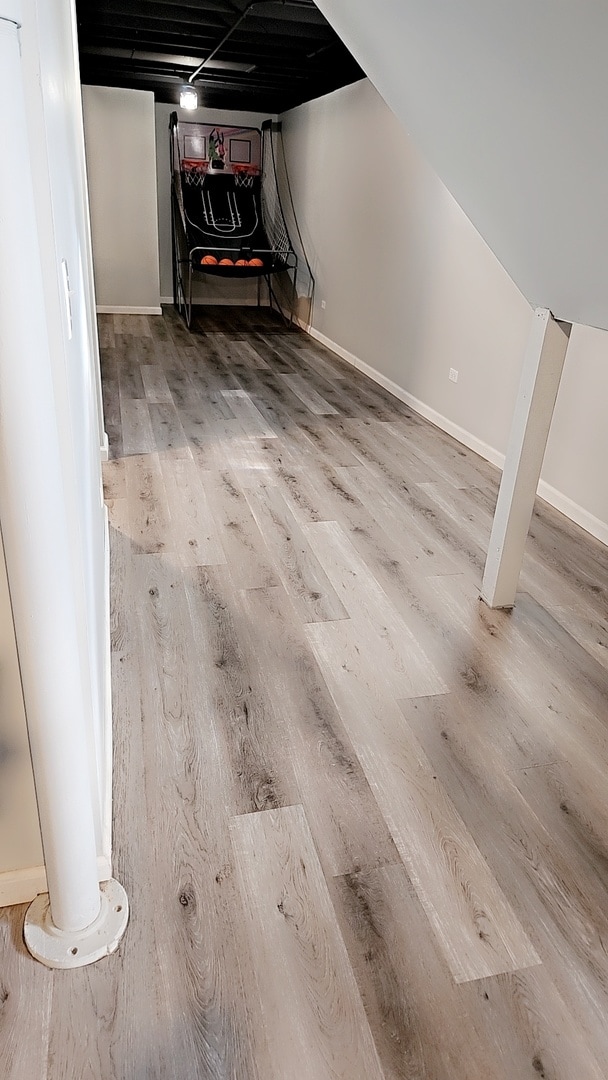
[
  {"x": 194, "y": 170},
  {"x": 244, "y": 175}
]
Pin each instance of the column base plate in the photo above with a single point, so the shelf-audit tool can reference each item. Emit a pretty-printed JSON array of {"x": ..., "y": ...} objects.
[{"x": 61, "y": 949}]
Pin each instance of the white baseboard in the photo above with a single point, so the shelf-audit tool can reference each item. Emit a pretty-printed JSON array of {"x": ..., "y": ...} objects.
[
  {"x": 555, "y": 498},
  {"x": 21, "y": 886},
  {"x": 104, "y": 449},
  {"x": 572, "y": 510},
  {"x": 109, "y": 309}
]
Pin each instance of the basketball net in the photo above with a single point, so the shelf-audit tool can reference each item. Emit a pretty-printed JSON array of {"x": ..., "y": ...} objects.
[{"x": 243, "y": 179}]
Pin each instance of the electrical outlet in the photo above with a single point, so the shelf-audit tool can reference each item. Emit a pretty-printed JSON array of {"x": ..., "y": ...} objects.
[
  {"x": 323, "y": 305},
  {"x": 453, "y": 375}
]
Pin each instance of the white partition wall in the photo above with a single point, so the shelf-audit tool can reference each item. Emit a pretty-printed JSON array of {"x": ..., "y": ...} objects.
[
  {"x": 121, "y": 165},
  {"x": 21, "y": 872}
]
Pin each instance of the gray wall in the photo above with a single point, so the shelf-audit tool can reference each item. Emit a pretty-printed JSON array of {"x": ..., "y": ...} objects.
[
  {"x": 210, "y": 290},
  {"x": 508, "y": 102},
  {"x": 121, "y": 169},
  {"x": 412, "y": 290}
]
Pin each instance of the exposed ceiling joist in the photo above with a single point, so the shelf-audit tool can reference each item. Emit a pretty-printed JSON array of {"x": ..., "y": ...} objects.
[{"x": 279, "y": 55}]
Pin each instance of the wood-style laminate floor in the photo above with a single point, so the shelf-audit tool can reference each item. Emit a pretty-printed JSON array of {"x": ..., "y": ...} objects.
[{"x": 361, "y": 818}]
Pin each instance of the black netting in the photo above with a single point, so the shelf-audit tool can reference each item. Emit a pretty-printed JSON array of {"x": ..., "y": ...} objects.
[{"x": 272, "y": 213}]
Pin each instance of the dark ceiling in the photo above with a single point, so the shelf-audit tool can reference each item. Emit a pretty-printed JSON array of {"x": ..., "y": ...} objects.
[{"x": 286, "y": 52}]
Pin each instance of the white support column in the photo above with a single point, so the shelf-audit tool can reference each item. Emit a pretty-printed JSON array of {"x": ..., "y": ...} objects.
[
  {"x": 77, "y": 922},
  {"x": 541, "y": 374}
]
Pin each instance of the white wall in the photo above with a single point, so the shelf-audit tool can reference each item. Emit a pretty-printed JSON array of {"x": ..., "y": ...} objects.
[
  {"x": 507, "y": 101},
  {"x": 412, "y": 290},
  {"x": 210, "y": 290},
  {"x": 578, "y": 444},
  {"x": 121, "y": 167},
  {"x": 20, "y": 845}
]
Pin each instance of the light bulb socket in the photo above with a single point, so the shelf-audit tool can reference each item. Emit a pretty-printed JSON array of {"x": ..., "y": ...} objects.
[{"x": 188, "y": 98}]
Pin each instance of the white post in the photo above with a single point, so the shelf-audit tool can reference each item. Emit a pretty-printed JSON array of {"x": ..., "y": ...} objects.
[
  {"x": 77, "y": 923},
  {"x": 541, "y": 374}
]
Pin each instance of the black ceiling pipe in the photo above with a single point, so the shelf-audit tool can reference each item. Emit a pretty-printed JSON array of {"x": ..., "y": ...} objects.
[{"x": 237, "y": 23}]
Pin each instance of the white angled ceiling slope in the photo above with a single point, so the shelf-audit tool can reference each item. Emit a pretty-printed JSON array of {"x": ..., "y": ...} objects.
[{"x": 508, "y": 99}]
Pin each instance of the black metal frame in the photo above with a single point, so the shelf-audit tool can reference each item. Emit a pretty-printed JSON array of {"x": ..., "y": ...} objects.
[{"x": 183, "y": 255}]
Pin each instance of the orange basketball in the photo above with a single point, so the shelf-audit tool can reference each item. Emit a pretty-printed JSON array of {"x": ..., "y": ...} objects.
[
  {"x": 241, "y": 262},
  {"x": 256, "y": 262},
  {"x": 209, "y": 260},
  {"x": 226, "y": 262}
]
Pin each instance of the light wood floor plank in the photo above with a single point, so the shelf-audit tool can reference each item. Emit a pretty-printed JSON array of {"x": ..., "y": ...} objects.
[
  {"x": 550, "y": 882},
  {"x": 277, "y": 358},
  {"x": 474, "y": 924},
  {"x": 250, "y": 562},
  {"x": 209, "y": 1018},
  {"x": 367, "y": 602},
  {"x": 112, "y": 417},
  {"x": 368, "y": 441},
  {"x": 138, "y": 437},
  {"x": 508, "y": 1026},
  {"x": 179, "y": 380},
  {"x": 315, "y": 1022},
  {"x": 313, "y": 401},
  {"x": 230, "y": 351},
  {"x": 128, "y": 368},
  {"x": 248, "y": 730},
  {"x": 168, "y": 432},
  {"x": 155, "y": 383},
  {"x": 251, "y": 419},
  {"x": 300, "y": 572},
  {"x": 147, "y": 498},
  {"x": 234, "y": 452},
  {"x": 540, "y": 668},
  {"x": 450, "y": 461},
  {"x": 105, "y": 327},
  {"x": 25, "y": 1004},
  {"x": 417, "y": 547},
  {"x": 350, "y": 397},
  {"x": 194, "y": 535},
  {"x": 347, "y": 826},
  {"x": 248, "y": 356},
  {"x": 325, "y": 368},
  {"x": 114, "y": 479},
  {"x": 327, "y": 445}
]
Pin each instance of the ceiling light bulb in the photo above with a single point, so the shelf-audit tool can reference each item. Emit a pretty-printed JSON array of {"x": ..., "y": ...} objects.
[{"x": 188, "y": 98}]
